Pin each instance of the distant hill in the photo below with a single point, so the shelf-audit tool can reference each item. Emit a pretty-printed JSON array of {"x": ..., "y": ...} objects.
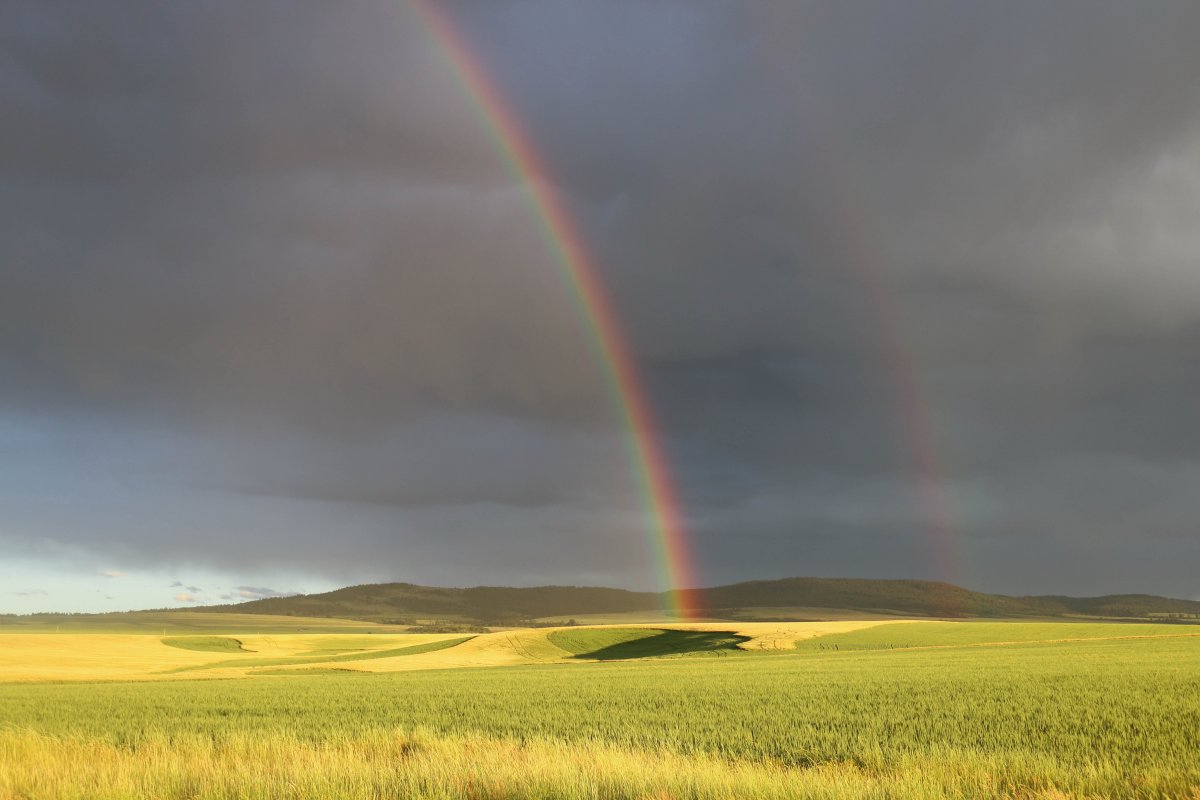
[
  {"x": 1124, "y": 605},
  {"x": 398, "y": 603}
]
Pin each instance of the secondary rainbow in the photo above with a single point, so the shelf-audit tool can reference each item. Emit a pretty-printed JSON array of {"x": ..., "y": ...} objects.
[{"x": 649, "y": 460}]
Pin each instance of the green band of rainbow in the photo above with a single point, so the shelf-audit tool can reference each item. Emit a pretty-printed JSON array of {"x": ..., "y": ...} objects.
[{"x": 578, "y": 269}]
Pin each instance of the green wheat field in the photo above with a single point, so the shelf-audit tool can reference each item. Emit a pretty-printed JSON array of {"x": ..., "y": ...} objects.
[{"x": 923, "y": 709}]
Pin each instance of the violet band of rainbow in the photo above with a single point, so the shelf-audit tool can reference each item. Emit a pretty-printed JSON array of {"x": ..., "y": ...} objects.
[{"x": 649, "y": 462}]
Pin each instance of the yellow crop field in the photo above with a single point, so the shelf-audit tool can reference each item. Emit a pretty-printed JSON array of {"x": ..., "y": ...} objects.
[
  {"x": 88, "y": 656},
  {"x": 507, "y": 648},
  {"x": 423, "y": 765},
  {"x": 302, "y": 644},
  {"x": 105, "y": 656},
  {"x": 702, "y": 710},
  {"x": 129, "y": 656},
  {"x": 503, "y": 648}
]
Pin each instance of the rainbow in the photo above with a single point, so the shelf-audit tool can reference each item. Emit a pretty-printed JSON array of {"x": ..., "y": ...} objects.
[
  {"x": 902, "y": 370},
  {"x": 578, "y": 269},
  {"x": 918, "y": 437}
]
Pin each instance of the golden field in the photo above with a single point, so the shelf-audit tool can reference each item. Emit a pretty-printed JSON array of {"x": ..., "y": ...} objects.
[
  {"x": 426, "y": 766},
  {"x": 132, "y": 656},
  {"x": 838, "y": 709}
]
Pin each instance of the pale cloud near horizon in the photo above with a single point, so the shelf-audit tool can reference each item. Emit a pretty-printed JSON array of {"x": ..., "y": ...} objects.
[{"x": 40, "y": 584}]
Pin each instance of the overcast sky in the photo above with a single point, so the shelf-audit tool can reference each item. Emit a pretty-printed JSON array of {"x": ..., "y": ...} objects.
[{"x": 275, "y": 314}]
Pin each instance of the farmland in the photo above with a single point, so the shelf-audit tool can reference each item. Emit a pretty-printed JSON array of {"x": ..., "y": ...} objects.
[
  {"x": 148, "y": 656},
  {"x": 924, "y": 709}
]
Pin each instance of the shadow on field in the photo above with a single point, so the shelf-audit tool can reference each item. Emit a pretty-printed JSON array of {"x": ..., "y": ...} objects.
[{"x": 648, "y": 643}]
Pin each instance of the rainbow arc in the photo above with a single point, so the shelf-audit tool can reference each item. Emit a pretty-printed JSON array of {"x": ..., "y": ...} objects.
[{"x": 582, "y": 277}]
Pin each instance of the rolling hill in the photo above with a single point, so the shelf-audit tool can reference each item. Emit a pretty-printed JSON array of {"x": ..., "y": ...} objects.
[
  {"x": 401, "y": 602},
  {"x": 397, "y": 603}
]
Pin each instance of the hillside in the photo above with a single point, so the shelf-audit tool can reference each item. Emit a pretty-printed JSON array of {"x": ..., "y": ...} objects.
[
  {"x": 1124, "y": 605},
  {"x": 398, "y": 603}
]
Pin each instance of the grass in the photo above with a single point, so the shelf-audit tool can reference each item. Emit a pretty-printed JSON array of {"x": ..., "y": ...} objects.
[
  {"x": 206, "y": 644},
  {"x": 1074, "y": 710},
  {"x": 956, "y": 634},
  {"x": 335, "y": 645},
  {"x": 309, "y": 671},
  {"x": 90, "y": 656},
  {"x": 614, "y": 644},
  {"x": 421, "y": 766},
  {"x": 105, "y": 656},
  {"x": 367, "y": 655},
  {"x": 1098, "y": 718},
  {"x": 611, "y": 618},
  {"x": 516, "y": 647}
]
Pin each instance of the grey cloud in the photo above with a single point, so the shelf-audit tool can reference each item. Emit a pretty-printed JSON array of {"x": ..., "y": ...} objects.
[
  {"x": 265, "y": 278},
  {"x": 256, "y": 593}
]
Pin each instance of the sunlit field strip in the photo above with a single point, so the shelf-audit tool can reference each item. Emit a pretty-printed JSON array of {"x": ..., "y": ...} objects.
[
  {"x": 511, "y": 648},
  {"x": 129, "y": 656},
  {"x": 35, "y": 657},
  {"x": 987, "y": 634},
  {"x": 77, "y": 656}
]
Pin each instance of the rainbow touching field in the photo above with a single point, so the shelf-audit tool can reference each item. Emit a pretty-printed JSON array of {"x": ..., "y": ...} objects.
[{"x": 672, "y": 548}]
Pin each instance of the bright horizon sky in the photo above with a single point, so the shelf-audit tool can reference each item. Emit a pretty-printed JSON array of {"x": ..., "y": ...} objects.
[{"x": 49, "y": 585}]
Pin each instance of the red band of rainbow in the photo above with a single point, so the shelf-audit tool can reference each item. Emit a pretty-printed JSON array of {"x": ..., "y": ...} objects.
[{"x": 578, "y": 269}]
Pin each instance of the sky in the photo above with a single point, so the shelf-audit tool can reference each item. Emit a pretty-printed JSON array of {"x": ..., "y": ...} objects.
[{"x": 913, "y": 291}]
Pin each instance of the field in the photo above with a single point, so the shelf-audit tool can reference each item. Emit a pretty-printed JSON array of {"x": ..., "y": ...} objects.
[
  {"x": 149, "y": 656},
  {"x": 831, "y": 709}
]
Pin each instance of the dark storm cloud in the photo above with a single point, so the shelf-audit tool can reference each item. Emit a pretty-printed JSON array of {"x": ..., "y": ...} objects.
[{"x": 270, "y": 296}]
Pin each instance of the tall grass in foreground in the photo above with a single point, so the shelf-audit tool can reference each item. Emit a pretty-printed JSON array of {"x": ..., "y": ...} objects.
[
  {"x": 385, "y": 764},
  {"x": 1092, "y": 719}
]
